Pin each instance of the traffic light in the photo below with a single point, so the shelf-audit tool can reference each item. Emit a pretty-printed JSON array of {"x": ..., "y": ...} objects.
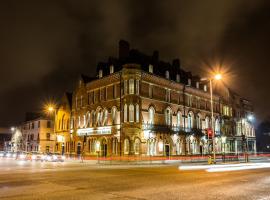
[{"x": 209, "y": 133}]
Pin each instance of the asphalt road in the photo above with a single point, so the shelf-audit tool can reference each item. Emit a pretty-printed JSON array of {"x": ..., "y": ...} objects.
[{"x": 35, "y": 180}]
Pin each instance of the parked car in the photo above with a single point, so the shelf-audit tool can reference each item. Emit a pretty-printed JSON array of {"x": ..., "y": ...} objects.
[{"x": 36, "y": 156}]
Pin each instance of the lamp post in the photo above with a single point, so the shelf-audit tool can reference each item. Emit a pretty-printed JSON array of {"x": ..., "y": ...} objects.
[
  {"x": 51, "y": 109},
  {"x": 216, "y": 77},
  {"x": 223, "y": 141}
]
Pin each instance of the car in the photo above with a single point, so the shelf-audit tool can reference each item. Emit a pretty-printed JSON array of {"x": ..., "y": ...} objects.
[
  {"x": 8, "y": 154},
  {"x": 2, "y": 154},
  {"x": 21, "y": 156},
  {"x": 36, "y": 156},
  {"x": 57, "y": 157}
]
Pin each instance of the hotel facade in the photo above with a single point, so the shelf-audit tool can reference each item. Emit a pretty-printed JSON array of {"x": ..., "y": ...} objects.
[{"x": 139, "y": 105}]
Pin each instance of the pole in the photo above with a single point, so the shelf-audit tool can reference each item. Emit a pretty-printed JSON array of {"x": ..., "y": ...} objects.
[
  {"x": 212, "y": 122},
  {"x": 54, "y": 124}
]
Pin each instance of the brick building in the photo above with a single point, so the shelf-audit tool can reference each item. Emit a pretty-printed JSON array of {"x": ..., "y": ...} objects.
[{"x": 139, "y": 105}]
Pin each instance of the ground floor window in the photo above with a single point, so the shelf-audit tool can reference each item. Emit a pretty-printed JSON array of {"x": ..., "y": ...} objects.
[{"x": 126, "y": 146}]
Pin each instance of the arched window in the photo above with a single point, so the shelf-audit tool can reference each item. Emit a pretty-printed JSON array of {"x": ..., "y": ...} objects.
[
  {"x": 190, "y": 120},
  {"x": 126, "y": 146},
  {"x": 207, "y": 122},
  {"x": 88, "y": 119},
  {"x": 137, "y": 113},
  {"x": 217, "y": 126},
  {"x": 151, "y": 115},
  {"x": 84, "y": 121},
  {"x": 179, "y": 115},
  {"x": 131, "y": 113},
  {"x": 125, "y": 113},
  {"x": 63, "y": 122},
  {"x": 105, "y": 118},
  {"x": 198, "y": 121},
  {"x": 114, "y": 112},
  {"x": 151, "y": 68},
  {"x": 168, "y": 116},
  {"x": 137, "y": 145},
  {"x": 93, "y": 118},
  {"x": 131, "y": 86}
]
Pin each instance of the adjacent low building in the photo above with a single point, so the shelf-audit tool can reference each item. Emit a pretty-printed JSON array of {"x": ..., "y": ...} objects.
[
  {"x": 140, "y": 105},
  {"x": 37, "y": 134},
  {"x": 5, "y": 138}
]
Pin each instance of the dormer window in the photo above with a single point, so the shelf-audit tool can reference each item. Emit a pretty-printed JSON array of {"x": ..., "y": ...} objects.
[
  {"x": 177, "y": 78},
  {"x": 111, "y": 69},
  {"x": 167, "y": 74},
  {"x": 197, "y": 85},
  {"x": 205, "y": 88},
  {"x": 151, "y": 69},
  {"x": 100, "y": 73},
  {"x": 189, "y": 82}
]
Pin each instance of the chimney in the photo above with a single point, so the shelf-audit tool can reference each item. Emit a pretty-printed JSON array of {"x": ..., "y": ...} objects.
[{"x": 123, "y": 49}]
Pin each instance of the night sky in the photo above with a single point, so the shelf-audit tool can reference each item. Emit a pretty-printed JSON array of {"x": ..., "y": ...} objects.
[{"x": 45, "y": 45}]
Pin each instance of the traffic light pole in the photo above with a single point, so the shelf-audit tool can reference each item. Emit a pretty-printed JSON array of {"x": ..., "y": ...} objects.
[{"x": 212, "y": 122}]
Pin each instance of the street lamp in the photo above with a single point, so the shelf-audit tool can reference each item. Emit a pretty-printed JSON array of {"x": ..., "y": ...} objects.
[
  {"x": 51, "y": 109},
  {"x": 217, "y": 77}
]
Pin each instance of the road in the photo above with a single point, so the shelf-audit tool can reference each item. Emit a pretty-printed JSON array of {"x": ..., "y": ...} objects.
[{"x": 75, "y": 181}]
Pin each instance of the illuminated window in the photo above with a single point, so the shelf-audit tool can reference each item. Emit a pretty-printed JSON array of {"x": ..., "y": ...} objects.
[
  {"x": 111, "y": 69},
  {"x": 137, "y": 86},
  {"x": 137, "y": 144},
  {"x": 168, "y": 116},
  {"x": 84, "y": 120},
  {"x": 131, "y": 113},
  {"x": 125, "y": 113},
  {"x": 105, "y": 118},
  {"x": 151, "y": 115},
  {"x": 179, "y": 118},
  {"x": 151, "y": 68},
  {"x": 207, "y": 122},
  {"x": 114, "y": 111},
  {"x": 126, "y": 146},
  {"x": 137, "y": 113},
  {"x": 100, "y": 73},
  {"x": 217, "y": 126},
  {"x": 79, "y": 122},
  {"x": 190, "y": 120},
  {"x": 131, "y": 86},
  {"x": 125, "y": 87},
  {"x": 198, "y": 121},
  {"x": 150, "y": 91},
  {"x": 177, "y": 78},
  {"x": 167, "y": 74}
]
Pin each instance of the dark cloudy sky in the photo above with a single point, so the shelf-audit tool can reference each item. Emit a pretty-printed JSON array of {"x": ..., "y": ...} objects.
[{"x": 45, "y": 45}]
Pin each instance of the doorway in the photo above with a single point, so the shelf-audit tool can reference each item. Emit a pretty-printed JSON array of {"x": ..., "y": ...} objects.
[{"x": 167, "y": 150}]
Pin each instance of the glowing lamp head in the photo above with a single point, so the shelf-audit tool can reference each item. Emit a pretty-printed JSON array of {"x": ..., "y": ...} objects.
[
  {"x": 250, "y": 118},
  {"x": 218, "y": 77},
  {"x": 50, "y": 109}
]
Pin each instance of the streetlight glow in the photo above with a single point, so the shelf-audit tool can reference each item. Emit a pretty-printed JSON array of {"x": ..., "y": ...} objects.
[
  {"x": 218, "y": 76},
  {"x": 50, "y": 108},
  {"x": 250, "y": 118}
]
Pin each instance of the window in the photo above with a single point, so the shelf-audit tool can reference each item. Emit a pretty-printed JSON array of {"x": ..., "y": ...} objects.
[
  {"x": 205, "y": 88},
  {"x": 131, "y": 113},
  {"x": 217, "y": 126},
  {"x": 84, "y": 121},
  {"x": 207, "y": 122},
  {"x": 177, "y": 78},
  {"x": 137, "y": 86},
  {"x": 137, "y": 113},
  {"x": 105, "y": 118},
  {"x": 167, "y": 74},
  {"x": 137, "y": 146},
  {"x": 33, "y": 126},
  {"x": 190, "y": 120},
  {"x": 48, "y": 136},
  {"x": 100, "y": 73},
  {"x": 198, "y": 120},
  {"x": 168, "y": 116},
  {"x": 125, "y": 113},
  {"x": 88, "y": 119},
  {"x": 111, "y": 69},
  {"x": 125, "y": 87},
  {"x": 114, "y": 111},
  {"x": 126, "y": 146},
  {"x": 48, "y": 124},
  {"x": 168, "y": 95},
  {"x": 79, "y": 122},
  {"x": 189, "y": 82},
  {"x": 151, "y": 69},
  {"x": 151, "y": 115},
  {"x": 131, "y": 86},
  {"x": 179, "y": 118},
  {"x": 114, "y": 91}
]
